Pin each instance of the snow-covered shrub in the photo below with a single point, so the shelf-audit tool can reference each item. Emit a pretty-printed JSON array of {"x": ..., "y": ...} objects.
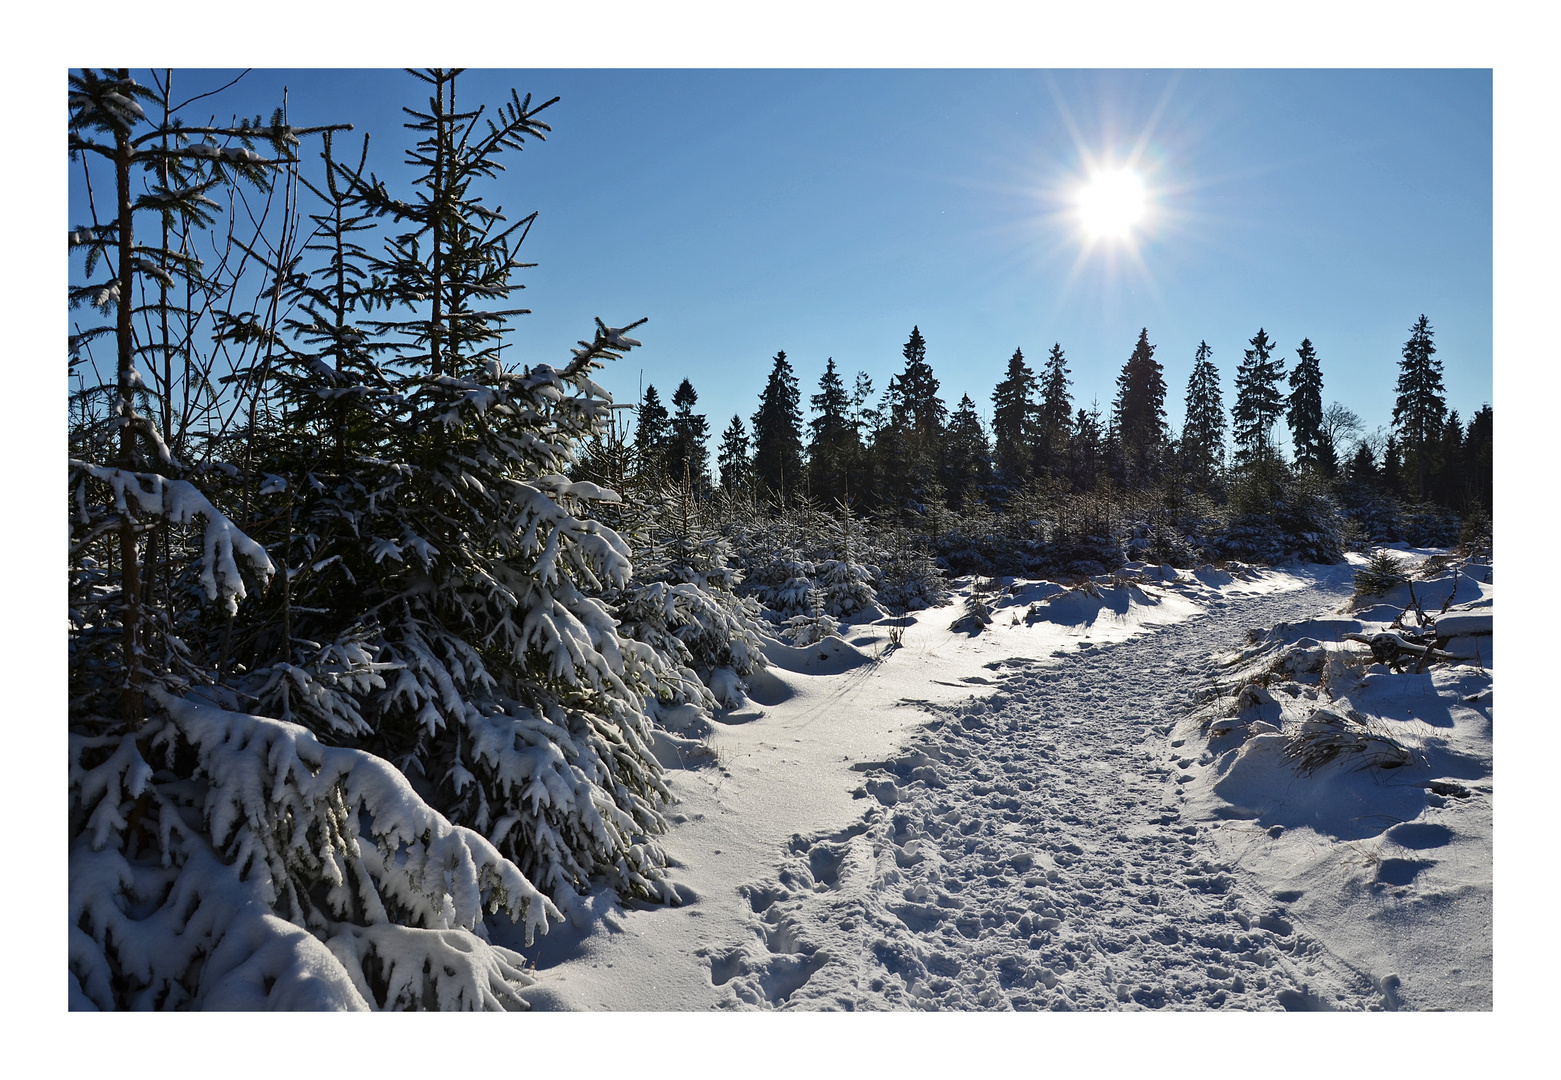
[
  {"x": 683, "y": 601},
  {"x": 908, "y": 579},
  {"x": 803, "y": 630},
  {"x": 1384, "y": 571},
  {"x": 1429, "y": 525},
  {"x": 977, "y": 611},
  {"x": 468, "y": 579},
  {"x": 784, "y": 584},
  {"x": 1326, "y": 737},
  {"x": 1275, "y": 517},
  {"x": 225, "y": 861},
  {"x": 1375, "y": 513},
  {"x": 845, "y": 587},
  {"x": 1474, "y": 535},
  {"x": 845, "y": 582},
  {"x": 1162, "y": 543},
  {"x": 1087, "y": 555}
]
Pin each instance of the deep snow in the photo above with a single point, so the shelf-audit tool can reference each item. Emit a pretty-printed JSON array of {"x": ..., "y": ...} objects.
[{"x": 998, "y": 819}]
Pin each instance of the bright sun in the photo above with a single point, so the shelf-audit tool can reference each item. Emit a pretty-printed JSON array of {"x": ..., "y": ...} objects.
[{"x": 1110, "y": 203}]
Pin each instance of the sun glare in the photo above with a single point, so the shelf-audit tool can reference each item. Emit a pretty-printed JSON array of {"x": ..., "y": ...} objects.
[{"x": 1110, "y": 203}]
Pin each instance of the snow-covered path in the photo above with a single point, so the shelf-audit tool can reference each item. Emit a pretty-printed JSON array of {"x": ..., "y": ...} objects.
[{"x": 1027, "y": 851}]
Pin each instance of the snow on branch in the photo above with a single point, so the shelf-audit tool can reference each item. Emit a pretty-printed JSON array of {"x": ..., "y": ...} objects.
[
  {"x": 180, "y": 502},
  {"x": 292, "y": 875}
]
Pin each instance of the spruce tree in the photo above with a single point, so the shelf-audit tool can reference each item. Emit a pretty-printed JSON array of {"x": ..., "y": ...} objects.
[
  {"x": 1054, "y": 417},
  {"x": 1086, "y": 449},
  {"x": 1258, "y": 401},
  {"x": 1203, "y": 433},
  {"x": 457, "y": 256},
  {"x": 967, "y": 456},
  {"x": 867, "y": 424},
  {"x": 865, "y": 418},
  {"x": 1138, "y": 414},
  {"x": 833, "y": 449},
  {"x": 777, "y": 432},
  {"x": 1421, "y": 403},
  {"x": 909, "y": 445},
  {"x": 688, "y": 459},
  {"x": 441, "y": 579},
  {"x": 1304, "y": 409},
  {"x": 913, "y": 394},
  {"x": 733, "y": 458},
  {"x": 475, "y": 569},
  {"x": 1478, "y": 450},
  {"x": 652, "y": 436},
  {"x": 1013, "y": 421},
  {"x": 1449, "y": 484}
]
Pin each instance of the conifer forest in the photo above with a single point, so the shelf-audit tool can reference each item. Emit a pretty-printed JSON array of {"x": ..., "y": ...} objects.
[{"x": 384, "y": 649}]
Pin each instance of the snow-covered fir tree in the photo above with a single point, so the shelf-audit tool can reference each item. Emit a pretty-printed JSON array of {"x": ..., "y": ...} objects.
[{"x": 460, "y": 729}]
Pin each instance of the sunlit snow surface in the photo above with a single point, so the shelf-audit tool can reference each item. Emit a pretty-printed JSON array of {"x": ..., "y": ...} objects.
[{"x": 1032, "y": 817}]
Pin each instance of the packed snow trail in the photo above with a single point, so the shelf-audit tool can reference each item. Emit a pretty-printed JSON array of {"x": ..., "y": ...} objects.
[{"x": 1027, "y": 851}]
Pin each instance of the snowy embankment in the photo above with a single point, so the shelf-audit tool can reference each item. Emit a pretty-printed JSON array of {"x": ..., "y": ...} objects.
[
  {"x": 1353, "y": 781},
  {"x": 986, "y": 816}
]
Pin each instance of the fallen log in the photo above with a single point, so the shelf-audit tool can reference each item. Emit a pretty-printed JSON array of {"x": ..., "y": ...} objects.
[{"x": 1387, "y": 647}]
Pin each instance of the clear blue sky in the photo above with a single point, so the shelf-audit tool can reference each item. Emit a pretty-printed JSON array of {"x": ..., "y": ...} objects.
[{"x": 825, "y": 212}]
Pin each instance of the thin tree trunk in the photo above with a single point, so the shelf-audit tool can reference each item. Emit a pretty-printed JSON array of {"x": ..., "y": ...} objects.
[{"x": 131, "y": 700}]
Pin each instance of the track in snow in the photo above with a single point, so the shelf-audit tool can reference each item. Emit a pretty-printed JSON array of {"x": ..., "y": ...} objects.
[{"x": 1026, "y": 851}]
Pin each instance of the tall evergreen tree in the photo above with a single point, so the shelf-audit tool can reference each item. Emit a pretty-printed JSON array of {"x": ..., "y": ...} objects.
[
  {"x": 834, "y": 448},
  {"x": 473, "y": 567},
  {"x": 908, "y": 447},
  {"x": 1449, "y": 482},
  {"x": 1013, "y": 421},
  {"x": 913, "y": 394},
  {"x": 867, "y": 422},
  {"x": 866, "y": 417},
  {"x": 1258, "y": 401},
  {"x": 1421, "y": 403},
  {"x": 688, "y": 459},
  {"x": 1304, "y": 408},
  {"x": 733, "y": 458},
  {"x": 1086, "y": 449},
  {"x": 777, "y": 432},
  {"x": 967, "y": 455},
  {"x": 1138, "y": 414},
  {"x": 1478, "y": 453},
  {"x": 1203, "y": 433},
  {"x": 439, "y": 605},
  {"x": 652, "y": 435},
  {"x": 1054, "y": 416},
  {"x": 1393, "y": 466}
]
